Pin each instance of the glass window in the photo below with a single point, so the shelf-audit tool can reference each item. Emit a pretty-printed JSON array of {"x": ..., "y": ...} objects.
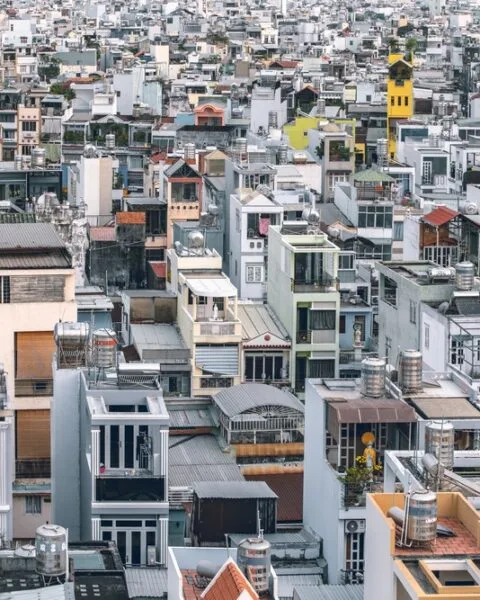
[
  {"x": 33, "y": 505},
  {"x": 342, "y": 324},
  {"x": 254, "y": 274},
  {"x": 322, "y": 319},
  {"x": 426, "y": 337},
  {"x": 398, "y": 231}
]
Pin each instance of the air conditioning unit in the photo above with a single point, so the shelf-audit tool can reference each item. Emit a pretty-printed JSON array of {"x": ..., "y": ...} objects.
[
  {"x": 151, "y": 556},
  {"x": 355, "y": 526}
]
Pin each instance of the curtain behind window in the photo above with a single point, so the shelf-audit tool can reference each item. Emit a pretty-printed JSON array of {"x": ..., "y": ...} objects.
[{"x": 322, "y": 319}]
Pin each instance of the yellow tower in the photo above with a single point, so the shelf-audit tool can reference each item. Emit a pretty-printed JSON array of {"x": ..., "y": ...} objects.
[{"x": 399, "y": 96}]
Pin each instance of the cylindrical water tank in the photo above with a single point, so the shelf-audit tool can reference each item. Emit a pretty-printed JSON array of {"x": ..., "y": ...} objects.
[
  {"x": 110, "y": 141},
  {"x": 26, "y": 162},
  {"x": 241, "y": 145},
  {"x": 68, "y": 334},
  {"x": 104, "y": 348},
  {"x": 440, "y": 441},
  {"x": 321, "y": 105},
  {"x": 373, "y": 377},
  {"x": 411, "y": 370},
  {"x": 51, "y": 550},
  {"x": 283, "y": 154},
  {"x": 189, "y": 152},
  {"x": 422, "y": 517},
  {"x": 38, "y": 158},
  {"x": 253, "y": 557},
  {"x": 464, "y": 275}
]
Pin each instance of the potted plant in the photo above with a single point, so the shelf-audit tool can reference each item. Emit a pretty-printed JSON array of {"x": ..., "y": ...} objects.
[{"x": 358, "y": 480}]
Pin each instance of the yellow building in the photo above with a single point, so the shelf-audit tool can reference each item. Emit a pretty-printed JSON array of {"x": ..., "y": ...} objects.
[
  {"x": 297, "y": 130},
  {"x": 399, "y": 96}
]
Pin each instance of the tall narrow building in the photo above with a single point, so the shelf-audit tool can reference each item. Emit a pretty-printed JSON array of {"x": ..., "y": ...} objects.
[{"x": 399, "y": 96}]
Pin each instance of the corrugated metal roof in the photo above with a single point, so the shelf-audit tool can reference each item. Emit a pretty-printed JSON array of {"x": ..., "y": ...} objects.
[
  {"x": 258, "y": 319},
  {"x": 146, "y": 583},
  {"x": 232, "y": 489},
  {"x": 189, "y": 417},
  {"x": 212, "y": 287},
  {"x": 197, "y": 450},
  {"x": 48, "y": 260},
  {"x": 440, "y": 216},
  {"x": 246, "y": 396},
  {"x": 372, "y": 176},
  {"x": 15, "y": 236},
  {"x": 156, "y": 337},
  {"x": 53, "y": 592},
  {"x": 329, "y": 592},
  {"x": 287, "y": 583},
  {"x": 182, "y": 476}
]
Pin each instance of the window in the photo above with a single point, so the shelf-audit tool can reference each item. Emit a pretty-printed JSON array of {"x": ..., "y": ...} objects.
[
  {"x": 321, "y": 368},
  {"x": 33, "y": 505},
  {"x": 392, "y": 101},
  {"x": 398, "y": 231},
  {"x": 456, "y": 351},
  {"x": 254, "y": 274},
  {"x": 426, "y": 336},
  {"x": 399, "y": 101},
  {"x": 368, "y": 97},
  {"x": 220, "y": 302},
  {"x": 375, "y": 216},
  {"x": 389, "y": 291},
  {"x": 406, "y": 100},
  {"x": 354, "y": 557},
  {"x": 5, "y": 290},
  {"x": 334, "y": 178},
  {"x": 259, "y": 367},
  {"x": 342, "y": 324},
  {"x": 413, "y": 312},
  {"x": 29, "y": 126},
  {"x": 345, "y": 261},
  {"x": 388, "y": 347},
  {"x": 322, "y": 319}
]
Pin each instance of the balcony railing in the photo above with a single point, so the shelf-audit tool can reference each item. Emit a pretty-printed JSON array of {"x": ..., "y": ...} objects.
[
  {"x": 314, "y": 284},
  {"x": 355, "y": 494},
  {"x": 34, "y": 468},
  {"x": 217, "y": 328},
  {"x": 33, "y": 387},
  {"x": 130, "y": 488},
  {"x": 304, "y": 337}
]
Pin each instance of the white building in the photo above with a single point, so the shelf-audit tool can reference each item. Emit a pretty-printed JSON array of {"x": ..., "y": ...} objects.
[{"x": 252, "y": 214}]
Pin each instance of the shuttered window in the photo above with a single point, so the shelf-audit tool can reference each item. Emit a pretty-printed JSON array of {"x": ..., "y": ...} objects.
[
  {"x": 221, "y": 360},
  {"x": 33, "y": 434},
  {"x": 34, "y": 351}
]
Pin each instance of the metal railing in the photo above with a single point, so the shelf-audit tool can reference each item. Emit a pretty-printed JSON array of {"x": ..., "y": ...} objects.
[
  {"x": 33, "y": 468},
  {"x": 313, "y": 284},
  {"x": 33, "y": 387},
  {"x": 355, "y": 494},
  {"x": 217, "y": 328},
  {"x": 304, "y": 337}
]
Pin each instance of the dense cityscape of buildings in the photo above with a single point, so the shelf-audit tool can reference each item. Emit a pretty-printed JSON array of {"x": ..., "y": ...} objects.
[{"x": 239, "y": 300}]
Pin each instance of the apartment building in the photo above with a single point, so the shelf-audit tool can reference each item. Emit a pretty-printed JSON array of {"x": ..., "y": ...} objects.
[
  {"x": 7, "y": 428},
  {"x": 303, "y": 293},
  {"x": 207, "y": 315},
  {"x": 37, "y": 289},
  {"x": 109, "y": 447}
]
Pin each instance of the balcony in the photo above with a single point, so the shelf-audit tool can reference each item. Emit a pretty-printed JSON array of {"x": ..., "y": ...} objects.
[
  {"x": 355, "y": 494},
  {"x": 34, "y": 468},
  {"x": 33, "y": 387},
  {"x": 129, "y": 486},
  {"x": 216, "y": 328},
  {"x": 304, "y": 337},
  {"x": 316, "y": 284}
]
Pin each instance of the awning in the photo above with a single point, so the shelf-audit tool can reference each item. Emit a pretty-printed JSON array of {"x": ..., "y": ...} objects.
[
  {"x": 212, "y": 288},
  {"x": 220, "y": 360}
]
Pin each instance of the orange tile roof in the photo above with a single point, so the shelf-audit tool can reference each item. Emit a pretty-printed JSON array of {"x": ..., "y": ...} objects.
[
  {"x": 130, "y": 218},
  {"x": 228, "y": 584},
  {"x": 102, "y": 234},
  {"x": 463, "y": 543},
  {"x": 440, "y": 216}
]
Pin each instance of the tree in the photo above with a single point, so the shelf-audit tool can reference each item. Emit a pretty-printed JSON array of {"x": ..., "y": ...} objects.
[
  {"x": 411, "y": 44},
  {"x": 50, "y": 69},
  {"x": 393, "y": 45},
  {"x": 62, "y": 89}
]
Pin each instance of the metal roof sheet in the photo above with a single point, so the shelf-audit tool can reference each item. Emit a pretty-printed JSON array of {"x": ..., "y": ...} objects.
[
  {"x": 218, "y": 287},
  {"x": 233, "y": 489},
  {"x": 35, "y": 236},
  {"x": 189, "y": 417},
  {"x": 199, "y": 450},
  {"x": 246, "y": 396},
  {"x": 53, "y": 592},
  {"x": 329, "y": 592},
  {"x": 184, "y": 475},
  {"x": 146, "y": 582},
  {"x": 258, "y": 319},
  {"x": 440, "y": 216},
  {"x": 48, "y": 260}
]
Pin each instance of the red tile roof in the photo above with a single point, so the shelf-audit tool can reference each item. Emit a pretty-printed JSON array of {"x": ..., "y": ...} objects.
[
  {"x": 228, "y": 584},
  {"x": 102, "y": 234},
  {"x": 440, "y": 216},
  {"x": 289, "y": 489},
  {"x": 130, "y": 218},
  {"x": 285, "y": 64}
]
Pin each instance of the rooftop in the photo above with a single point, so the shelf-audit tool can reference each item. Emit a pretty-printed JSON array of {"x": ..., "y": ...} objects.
[
  {"x": 439, "y": 216},
  {"x": 259, "y": 324},
  {"x": 130, "y": 218},
  {"x": 238, "y": 490},
  {"x": 249, "y": 396},
  {"x": 32, "y": 246}
]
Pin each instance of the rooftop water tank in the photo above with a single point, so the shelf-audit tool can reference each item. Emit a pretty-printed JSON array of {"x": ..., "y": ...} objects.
[
  {"x": 189, "y": 152},
  {"x": 110, "y": 141},
  {"x": 104, "y": 348},
  {"x": 51, "y": 550},
  {"x": 283, "y": 154},
  {"x": 253, "y": 557},
  {"x": 464, "y": 275},
  {"x": 422, "y": 517},
  {"x": 38, "y": 158},
  {"x": 440, "y": 441},
  {"x": 373, "y": 377},
  {"x": 70, "y": 334},
  {"x": 411, "y": 370}
]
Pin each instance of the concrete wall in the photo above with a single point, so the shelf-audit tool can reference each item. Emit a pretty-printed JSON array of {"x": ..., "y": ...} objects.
[
  {"x": 65, "y": 440},
  {"x": 25, "y": 524},
  {"x": 435, "y": 355},
  {"x": 379, "y": 577}
]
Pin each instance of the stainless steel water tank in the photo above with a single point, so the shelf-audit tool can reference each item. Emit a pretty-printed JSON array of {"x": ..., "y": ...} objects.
[
  {"x": 51, "y": 550},
  {"x": 104, "y": 348},
  {"x": 422, "y": 517},
  {"x": 38, "y": 158},
  {"x": 440, "y": 441},
  {"x": 253, "y": 558},
  {"x": 241, "y": 145},
  {"x": 283, "y": 154},
  {"x": 71, "y": 335},
  {"x": 411, "y": 370},
  {"x": 373, "y": 377},
  {"x": 110, "y": 141},
  {"x": 189, "y": 152},
  {"x": 464, "y": 275}
]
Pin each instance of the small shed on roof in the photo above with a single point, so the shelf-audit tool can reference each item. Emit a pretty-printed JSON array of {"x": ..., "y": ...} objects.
[
  {"x": 248, "y": 396},
  {"x": 439, "y": 216},
  {"x": 372, "y": 176}
]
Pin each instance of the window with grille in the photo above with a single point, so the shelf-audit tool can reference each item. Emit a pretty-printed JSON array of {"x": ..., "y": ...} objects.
[
  {"x": 33, "y": 505},
  {"x": 354, "y": 556},
  {"x": 254, "y": 274},
  {"x": 5, "y": 290}
]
